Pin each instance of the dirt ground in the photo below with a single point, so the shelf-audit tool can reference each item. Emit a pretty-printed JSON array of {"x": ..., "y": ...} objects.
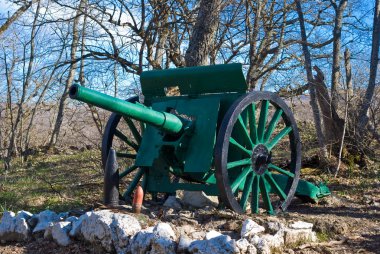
[
  {"x": 343, "y": 225},
  {"x": 346, "y": 222}
]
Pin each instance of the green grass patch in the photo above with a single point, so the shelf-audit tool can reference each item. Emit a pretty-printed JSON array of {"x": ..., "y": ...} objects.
[{"x": 56, "y": 182}]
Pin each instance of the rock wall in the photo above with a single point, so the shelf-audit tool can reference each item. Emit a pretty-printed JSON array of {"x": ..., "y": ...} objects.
[{"x": 116, "y": 232}]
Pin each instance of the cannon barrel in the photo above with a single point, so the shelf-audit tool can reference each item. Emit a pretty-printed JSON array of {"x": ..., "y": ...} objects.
[{"x": 163, "y": 120}]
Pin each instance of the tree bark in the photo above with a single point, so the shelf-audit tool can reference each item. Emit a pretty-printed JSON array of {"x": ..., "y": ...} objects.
[
  {"x": 310, "y": 79},
  {"x": 347, "y": 66},
  {"x": 363, "y": 112},
  {"x": 27, "y": 78},
  {"x": 69, "y": 80},
  {"x": 203, "y": 33},
  {"x": 337, "y": 34}
]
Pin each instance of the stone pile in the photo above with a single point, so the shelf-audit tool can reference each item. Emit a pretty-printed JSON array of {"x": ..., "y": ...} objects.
[{"x": 123, "y": 233}]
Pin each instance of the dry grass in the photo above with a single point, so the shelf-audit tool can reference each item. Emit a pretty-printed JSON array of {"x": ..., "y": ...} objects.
[{"x": 56, "y": 182}]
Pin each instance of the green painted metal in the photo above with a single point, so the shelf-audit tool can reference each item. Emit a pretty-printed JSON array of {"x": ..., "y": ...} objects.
[
  {"x": 265, "y": 194},
  {"x": 163, "y": 120},
  {"x": 307, "y": 191},
  {"x": 224, "y": 78},
  {"x": 194, "y": 150},
  {"x": 255, "y": 194},
  {"x": 272, "y": 125},
  {"x": 278, "y": 137},
  {"x": 180, "y": 135}
]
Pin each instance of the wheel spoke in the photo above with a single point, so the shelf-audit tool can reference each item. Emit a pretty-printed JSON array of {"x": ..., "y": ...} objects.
[
  {"x": 134, "y": 183},
  {"x": 275, "y": 186},
  {"x": 255, "y": 194},
  {"x": 234, "y": 164},
  {"x": 235, "y": 143},
  {"x": 126, "y": 155},
  {"x": 246, "y": 191},
  {"x": 133, "y": 129},
  {"x": 280, "y": 170},
  {"x": 124, "y": 138},
  {"x": 278, "y": 137},
  {"x": 262, "y": 119},
  {"x": 239, "y": 179},
  {"x": 272, "y": 125},
  {"x": 127, "y": 171},
  {"x": 244, "y": 127},
  {"x": 265, "y": 195},
  {"x": 252, "y": 123}
]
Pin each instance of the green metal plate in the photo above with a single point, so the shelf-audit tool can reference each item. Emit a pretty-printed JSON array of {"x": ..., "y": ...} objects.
[
  {"x": 199, "y": 153},
  {"x": 223, "y": 78}
]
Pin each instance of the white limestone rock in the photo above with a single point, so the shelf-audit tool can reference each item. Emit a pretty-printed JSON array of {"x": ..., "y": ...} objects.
[
  {"x": 221, "y": 244},
  {"x": 184, "y": 243},
  {"x": 164, "y": 241},
  {"x": 110, "y": 230},
  {"x": 299, "y": 236},
  {"x": 77, "y": 225},
  {"x": 250, "y": 228},
  {"x": 44, "y": 219},
  {"x": 47, "y": 233},
  {"x": 212, "y": 234},
  {"x": 301, "y": 225},
  {"x": 245, "y": 247},
  {"x": 123, "y": 228},
  {"x": 72, "y": 219},
  {"x": 15, "y": 227},
  {"x": 60, "y": 233},
  {"x": 164, "y": 230},
  {"x": 274, "y": 241},
  {"x": 263, "y": 246},
  {"x": 159, "y": 239},
  {"x": 142, "y": 241},
  {"x": 199, "y": 199},
  {"x": 172, "y": 202},
  {"x": 274, "y": 226}
]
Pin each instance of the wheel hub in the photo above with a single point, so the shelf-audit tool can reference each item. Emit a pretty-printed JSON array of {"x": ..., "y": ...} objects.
[{"x": 261, "y": 157}]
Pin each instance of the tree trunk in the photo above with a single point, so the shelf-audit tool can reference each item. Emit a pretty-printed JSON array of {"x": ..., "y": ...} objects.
[
  {"x": 27, "y": 78},
  {"x": 69, "y": 80},
  {"x": 363, "y": 112},
  {"x": 333, "y": 124},
  {"x": 337, "y": 34},
  {"x": 312, "y": 89},
  {"x": 203, "y": 33},
  {"x": 347, "y": 66}
]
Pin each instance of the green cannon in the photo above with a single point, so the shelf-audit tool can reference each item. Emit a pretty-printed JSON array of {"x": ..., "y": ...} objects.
[{"x": 243, "y": 147}]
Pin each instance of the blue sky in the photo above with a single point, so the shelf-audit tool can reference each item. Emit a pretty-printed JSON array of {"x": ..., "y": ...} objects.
[{"x": 5, "y": 6}]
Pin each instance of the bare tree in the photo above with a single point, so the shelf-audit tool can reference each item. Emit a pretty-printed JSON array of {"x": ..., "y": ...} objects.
[
  {"x": 202, "y": 36},
  {"x": 70, "y": 77},
  {"x": 310, "y": 79},
  {"x": 337, "y": 34},
  {"x": 363, "y": 112},
  {"x": 16, "y": 15},
  {"x": 25, "y": 85}
]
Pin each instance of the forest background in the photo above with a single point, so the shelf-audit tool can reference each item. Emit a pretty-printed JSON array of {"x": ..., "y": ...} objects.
[{"x": 320, "y": 55}]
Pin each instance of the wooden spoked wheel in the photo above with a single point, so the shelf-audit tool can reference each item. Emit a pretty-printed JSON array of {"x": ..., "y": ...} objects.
[
  {"x": 124, "y": 135},
  {"x": 257, "y": 147}
]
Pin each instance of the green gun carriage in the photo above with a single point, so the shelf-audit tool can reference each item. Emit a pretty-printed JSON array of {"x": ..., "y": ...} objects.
[{"x": 220, "y": 139}]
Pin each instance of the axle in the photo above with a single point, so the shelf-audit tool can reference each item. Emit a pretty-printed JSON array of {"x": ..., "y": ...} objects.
[{"x": 163, "y": 120}]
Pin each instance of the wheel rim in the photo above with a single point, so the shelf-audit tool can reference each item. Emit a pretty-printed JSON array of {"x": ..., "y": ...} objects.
[
  {"x": 249, "y": 146},
  {"x": 124, "y": 135}
]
